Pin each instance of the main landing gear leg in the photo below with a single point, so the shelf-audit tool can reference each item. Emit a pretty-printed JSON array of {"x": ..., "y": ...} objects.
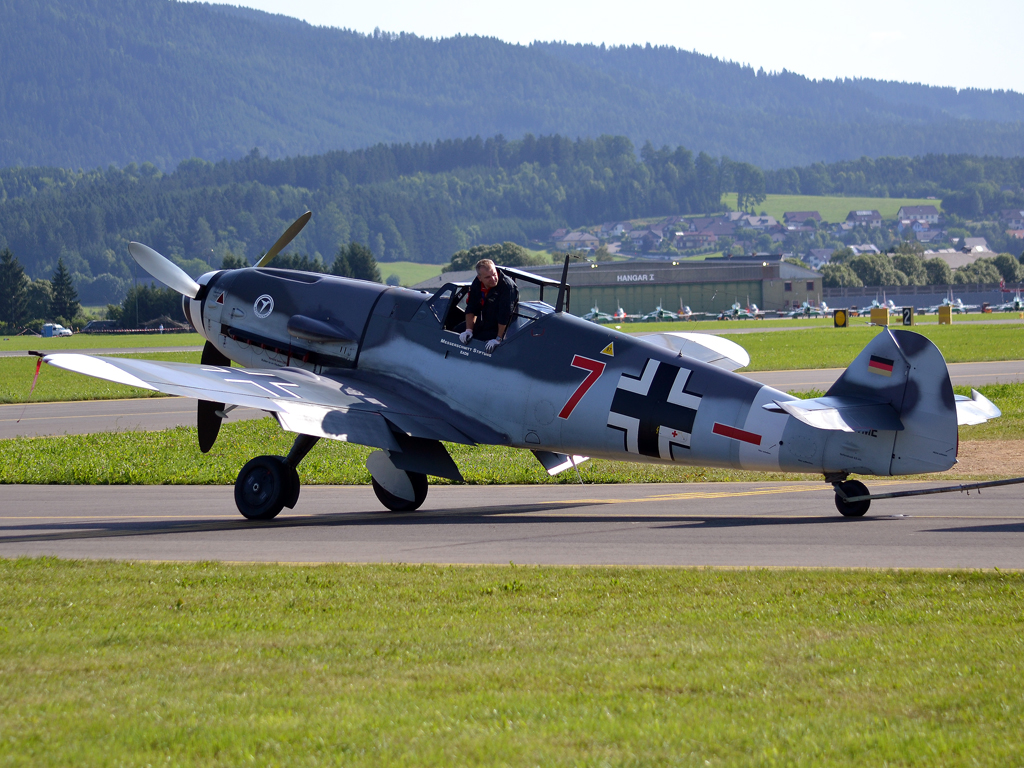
[{"x": 267, "y": 484}]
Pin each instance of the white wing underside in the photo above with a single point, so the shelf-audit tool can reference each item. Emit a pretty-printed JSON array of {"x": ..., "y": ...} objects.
[
  {"x": 302, "y": 401},
  {"x": 713, "y": 350}
]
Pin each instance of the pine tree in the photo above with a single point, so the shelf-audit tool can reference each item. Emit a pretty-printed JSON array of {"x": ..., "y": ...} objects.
[
  {"x": 13, "y": 290},
  {"x": 362, "y": 263},
  {"x": 64, "y": 304}
]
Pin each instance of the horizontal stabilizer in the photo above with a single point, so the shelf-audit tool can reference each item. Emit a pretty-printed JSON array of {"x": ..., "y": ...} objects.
[
  {"x": 555, "y": 463},
  {"x": 713, "y": 350},
  {"x": 975, "y": 409},
  {"x": 846, "y": 414}
]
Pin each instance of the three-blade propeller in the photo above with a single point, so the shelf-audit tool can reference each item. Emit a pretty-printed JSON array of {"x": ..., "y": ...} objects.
[{"x": 208, "y": 416}]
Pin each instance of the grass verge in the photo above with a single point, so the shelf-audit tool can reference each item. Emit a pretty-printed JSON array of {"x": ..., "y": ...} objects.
[
  {"x": 57, "y": 385},
  {"x": 100, "y": 341},
  {"x": 209, "y": 665},
  {"x": 172, "y": 457}
]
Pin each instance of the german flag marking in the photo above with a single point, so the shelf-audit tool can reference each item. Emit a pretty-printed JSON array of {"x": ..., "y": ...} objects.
[
  {"x": 736, "y": 434},
  {"x": 880, "y": 365}
]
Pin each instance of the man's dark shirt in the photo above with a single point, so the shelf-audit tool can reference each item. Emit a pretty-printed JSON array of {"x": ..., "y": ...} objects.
[{"x": 491, "y": 310}]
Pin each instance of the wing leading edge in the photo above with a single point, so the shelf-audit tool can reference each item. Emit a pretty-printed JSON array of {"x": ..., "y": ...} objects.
[{"x": 322, "y": 406}]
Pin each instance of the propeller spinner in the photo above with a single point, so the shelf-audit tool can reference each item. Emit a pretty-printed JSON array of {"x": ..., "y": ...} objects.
[{"x": 208, "y": 416}]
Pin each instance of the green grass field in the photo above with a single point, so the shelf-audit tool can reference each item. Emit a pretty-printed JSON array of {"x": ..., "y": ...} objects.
[
  {"x": 172, "y": 457},
  {"x": 55, "y": 384},
  {"x": 832, "y": 209},
  {"x": 203, "y": 664},
  {"x": 409, "y": 272},
  {"x": 100, "y": 341}
]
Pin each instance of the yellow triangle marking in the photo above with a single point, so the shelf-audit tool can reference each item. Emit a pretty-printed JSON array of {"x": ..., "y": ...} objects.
[{"x": 609, "y": 350}]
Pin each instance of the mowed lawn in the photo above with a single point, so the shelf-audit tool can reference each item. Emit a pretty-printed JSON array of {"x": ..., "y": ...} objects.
[
  {"x": 832, "y": 209},
  {"x": 203, "y": 664}
]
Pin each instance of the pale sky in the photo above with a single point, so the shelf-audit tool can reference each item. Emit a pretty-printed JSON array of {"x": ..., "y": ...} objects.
[{"x": 938, "y": 42}]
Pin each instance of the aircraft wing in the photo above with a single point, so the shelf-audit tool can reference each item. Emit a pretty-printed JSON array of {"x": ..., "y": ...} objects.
[{"x": 348, "y": 409}]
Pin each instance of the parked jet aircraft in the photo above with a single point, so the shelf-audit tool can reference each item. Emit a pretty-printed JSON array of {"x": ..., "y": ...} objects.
[
  {"x": 737, "y": 312},
  {"x": 383, "y": 366},
  {"x": 597, "y": 316},
  {"x": 957, "y": 306},
  {"x": 1017, "y": 305},
  {"x": 806, "y": 309},
  {"x": 659, "y": 314}
]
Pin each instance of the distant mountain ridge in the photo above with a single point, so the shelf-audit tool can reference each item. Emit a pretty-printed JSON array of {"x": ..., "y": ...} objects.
[{"x": 86, "y": 83}]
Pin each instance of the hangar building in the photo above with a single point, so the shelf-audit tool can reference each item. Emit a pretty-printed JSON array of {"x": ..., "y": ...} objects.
[{"x": 704, "y": 286}]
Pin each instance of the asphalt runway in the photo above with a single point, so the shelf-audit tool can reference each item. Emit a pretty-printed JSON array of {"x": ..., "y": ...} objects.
[
  {"x": 83, "y": 417},
  {"x": 149, "y": 414},
  {"x": 707, "y": 524}
]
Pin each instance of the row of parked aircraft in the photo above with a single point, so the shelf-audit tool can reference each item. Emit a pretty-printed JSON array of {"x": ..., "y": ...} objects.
[{"x": 807, "y": 309}]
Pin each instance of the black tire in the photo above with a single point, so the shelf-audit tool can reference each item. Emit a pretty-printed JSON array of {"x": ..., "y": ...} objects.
[
  {"x": 852, "y": 509},
  {"x": 395, "y": 504},
  {"x": 262, "y": 487}
]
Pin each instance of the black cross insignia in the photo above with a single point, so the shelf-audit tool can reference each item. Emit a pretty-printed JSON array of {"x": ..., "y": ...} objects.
[{"x": 654, "y": 411}]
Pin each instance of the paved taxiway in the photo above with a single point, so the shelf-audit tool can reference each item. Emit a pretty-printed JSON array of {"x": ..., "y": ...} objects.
[
  {"x": 713, "y": 524},
  {"x": 148, "y": 414}
]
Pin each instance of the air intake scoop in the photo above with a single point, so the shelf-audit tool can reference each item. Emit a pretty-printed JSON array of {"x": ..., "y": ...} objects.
[{"x": 310, "y": 329}]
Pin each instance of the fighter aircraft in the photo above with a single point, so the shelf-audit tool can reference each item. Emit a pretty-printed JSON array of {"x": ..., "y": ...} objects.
[
  {"x": 621, "y": 316},
  {"x": 1017, "y": 305},
  {"x": 806, "y": 309},
  {"x": 658, "y": 315},
  {"x": 597, "y": 316},
  {"x": 957, "y": 306},
  {"x": 737, "y": 312},
  {"x": 349, "y": 360}
]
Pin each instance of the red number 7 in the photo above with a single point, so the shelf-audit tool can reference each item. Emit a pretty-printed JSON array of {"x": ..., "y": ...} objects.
[{"x": 596, "y": 368}]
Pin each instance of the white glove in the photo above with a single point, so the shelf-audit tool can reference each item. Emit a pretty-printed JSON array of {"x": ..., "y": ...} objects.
[
  {"x": 465, "y": 336},
  {"x": 492, "y": 345}
]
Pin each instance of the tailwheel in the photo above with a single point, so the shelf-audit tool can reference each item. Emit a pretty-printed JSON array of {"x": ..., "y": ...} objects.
[
  {"x": 852, "y": 489},
  {"x": 264, "y": 486}
]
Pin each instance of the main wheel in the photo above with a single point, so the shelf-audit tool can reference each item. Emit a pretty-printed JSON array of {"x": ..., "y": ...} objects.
[
  {"x": 263, "y": 486},
  {"x": 397, "y": 504},
  {"x": 852, "y": 488}
]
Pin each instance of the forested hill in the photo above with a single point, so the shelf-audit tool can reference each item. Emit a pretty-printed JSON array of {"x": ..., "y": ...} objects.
[{"x": 85, "y": 83}]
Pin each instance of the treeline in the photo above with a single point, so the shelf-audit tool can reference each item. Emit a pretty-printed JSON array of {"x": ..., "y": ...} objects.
[
  {"x": 907, "y": 266},
  {"x": 418, "y": 202},
  {"x": 969, "y": 186},
  {"x": 86, "y": 83}
]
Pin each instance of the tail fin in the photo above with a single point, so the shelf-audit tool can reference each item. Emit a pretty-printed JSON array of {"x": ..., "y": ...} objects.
[{"x": 907, "y": 371}]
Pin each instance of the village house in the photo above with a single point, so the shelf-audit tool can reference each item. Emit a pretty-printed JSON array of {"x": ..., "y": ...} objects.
[
  {"x": 1012, "y": 219},
  {"x": 760, "y": 223},
  {"x": 694, "y": 239},
  {"x": 869, "y": 218},
  {"x": 929, "y": 214},
  {"x": 818, "y": 257},
  {"x": 614, "y": 228},
  {"x": 558, "y": 234},
  {"x": 577, "y": 241}
]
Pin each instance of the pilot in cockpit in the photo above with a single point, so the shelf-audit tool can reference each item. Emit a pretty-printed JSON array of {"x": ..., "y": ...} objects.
[{"x": 490, "y": 305}]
